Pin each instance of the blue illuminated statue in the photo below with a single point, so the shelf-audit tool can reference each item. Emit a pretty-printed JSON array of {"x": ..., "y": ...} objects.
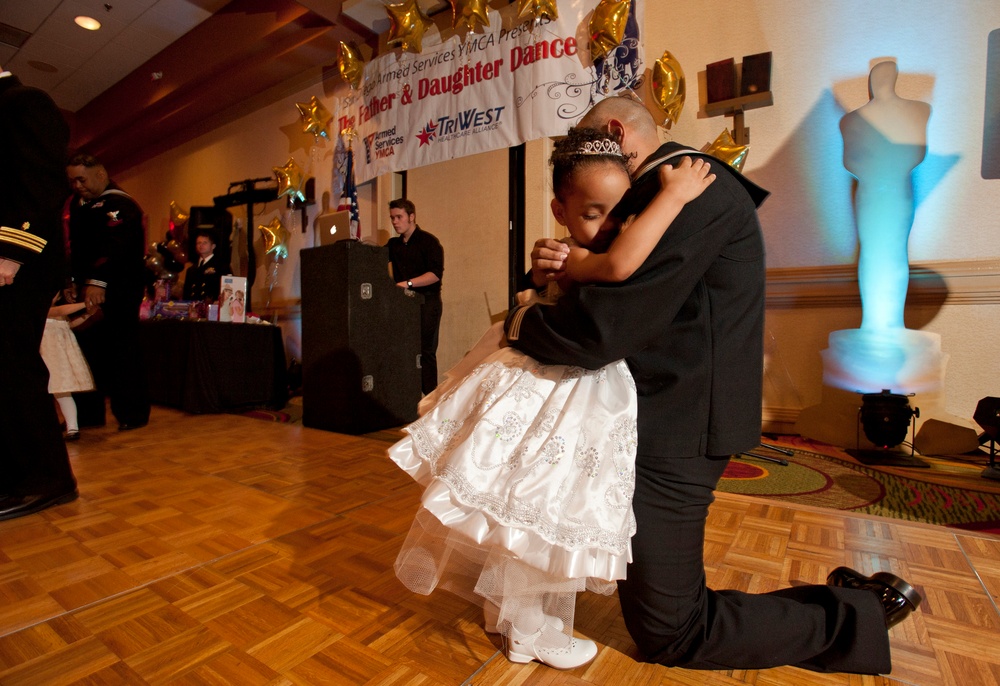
[{"x": 884, "y": 140}]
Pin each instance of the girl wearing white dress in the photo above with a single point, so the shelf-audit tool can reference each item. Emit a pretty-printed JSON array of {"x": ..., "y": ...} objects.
[
  {"x": 528, "y": 468},
  {"x": 68, "y": 369}
]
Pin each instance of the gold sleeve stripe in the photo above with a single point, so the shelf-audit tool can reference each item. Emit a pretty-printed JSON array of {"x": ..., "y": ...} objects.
[
  {"x": 514, "y": 330},
  {"x": 22, "y": 239}
]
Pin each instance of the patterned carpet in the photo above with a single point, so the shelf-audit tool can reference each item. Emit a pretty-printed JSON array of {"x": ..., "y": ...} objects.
[{"x": 812, "y": 478}]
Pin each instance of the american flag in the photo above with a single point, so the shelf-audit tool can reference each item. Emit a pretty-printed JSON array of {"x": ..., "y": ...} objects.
[{"x": 349, "y": 197}]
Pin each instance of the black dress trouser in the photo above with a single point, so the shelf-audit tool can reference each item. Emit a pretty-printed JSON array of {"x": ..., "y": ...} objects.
[
  {"x": 113, "y": 349},
  {"x": 675, "y": 620},
  {"x": 430, "y": 326}
]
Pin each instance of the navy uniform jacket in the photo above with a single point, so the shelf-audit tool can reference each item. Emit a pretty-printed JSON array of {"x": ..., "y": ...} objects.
[
  {"x": 689, "y": 322},
  {"x": 33, "y": 179},
  {"x": 108, "y": 246},
  {"x": 203, "y": 282}
]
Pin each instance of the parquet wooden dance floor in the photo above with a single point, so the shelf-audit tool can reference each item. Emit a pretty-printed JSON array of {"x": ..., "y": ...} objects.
[{"x": 225, "y": 550}]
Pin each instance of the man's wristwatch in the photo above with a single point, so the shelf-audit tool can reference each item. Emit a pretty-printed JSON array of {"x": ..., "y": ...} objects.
[{"x": 409, "y": 284}]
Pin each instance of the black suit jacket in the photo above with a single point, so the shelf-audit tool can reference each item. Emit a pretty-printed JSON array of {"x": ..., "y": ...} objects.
[
  {"x": 202, "y": 283},
  {"x": 689, "y": 322}
]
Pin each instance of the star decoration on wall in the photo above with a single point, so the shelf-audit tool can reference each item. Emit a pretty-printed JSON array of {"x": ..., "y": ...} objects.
[
  {"x": 351, "y": 64},
  {"x": 408, "y": 25},
  {"x": 607, "y": 26},
  {"x": 275, "y": 238},
  {"x": 473, "y": 12},
  {"x": 291, "y": 178},
  {"x": 314, "y": 117},
  {"x": 537, "y": 9},
  {"x": 725, "y": 149}
]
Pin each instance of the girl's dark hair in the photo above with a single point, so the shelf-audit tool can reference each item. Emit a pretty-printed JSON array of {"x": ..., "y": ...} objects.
[{"x": 581, "y": 148}]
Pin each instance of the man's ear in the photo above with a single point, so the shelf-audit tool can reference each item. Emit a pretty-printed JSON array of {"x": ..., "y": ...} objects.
[
  {"x": 617, "y": 129},
  {"x": 558, "y": 211}
]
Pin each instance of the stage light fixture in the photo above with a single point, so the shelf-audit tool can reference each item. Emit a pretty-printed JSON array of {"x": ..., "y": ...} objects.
[
  {"x": 886, "y": 418},
  {"x": 987, "y": 416}
]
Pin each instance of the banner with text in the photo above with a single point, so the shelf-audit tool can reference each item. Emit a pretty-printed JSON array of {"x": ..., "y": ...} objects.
[{"x": 473, "y": 92}]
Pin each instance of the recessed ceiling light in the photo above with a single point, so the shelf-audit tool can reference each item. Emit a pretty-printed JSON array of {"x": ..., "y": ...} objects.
[
  {"x": 42, "y": 66},
  {"x": 88, "y": 23}
]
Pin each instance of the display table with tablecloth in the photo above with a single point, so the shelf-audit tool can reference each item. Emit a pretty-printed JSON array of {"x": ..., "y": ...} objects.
[{"x": 203, "y": 367}]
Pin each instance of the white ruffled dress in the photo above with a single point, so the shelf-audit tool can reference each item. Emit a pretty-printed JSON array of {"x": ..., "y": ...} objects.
[
  {"x": 68, "y": 369},
  {"x": 529, "y": 471}
]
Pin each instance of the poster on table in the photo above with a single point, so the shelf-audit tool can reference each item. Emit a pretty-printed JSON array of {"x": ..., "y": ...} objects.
[{"x": 472, "y": 92}]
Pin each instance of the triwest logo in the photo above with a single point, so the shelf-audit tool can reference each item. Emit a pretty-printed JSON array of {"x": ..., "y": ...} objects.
[{"x": 462, "y": 123}]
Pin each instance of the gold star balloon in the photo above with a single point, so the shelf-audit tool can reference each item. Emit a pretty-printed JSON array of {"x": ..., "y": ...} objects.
[
  {"x": 725, "y": 149},
  {"x": 290, "y": 180},
  {"x": 607, "y": 26},
  {"x": 350, "y": 64},
  {"x": 407, "y": 26},
  {"x": 668, "y": 87},
  {"x": 178, "y": 222},
  {"x": 473, "y": 12},
  {"x": 275, "y": 238},
  {"x": 314, "y": 117},
  {"x": 537, "y": 9}
]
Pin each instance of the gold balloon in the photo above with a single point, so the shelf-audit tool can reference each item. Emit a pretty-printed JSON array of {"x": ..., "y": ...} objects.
[
  {"x": 314, "y": 117},
  {"x": 537, "y": 9},
  {"x": 350, "y": 64},
  {"x": 178, "y": 219},
  {"x": 725, "y": 149},
  {"x": 669, "y": 87},
  {"x": 290, "y": 180},
  {"x": 473, "y": 12},
  {"x": 275, "y": 238},
  {"x": 407, "y": 27},
  {"x": 607, "y": 26}
]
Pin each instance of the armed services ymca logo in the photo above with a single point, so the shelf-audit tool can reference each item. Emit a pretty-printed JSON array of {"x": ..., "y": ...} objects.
[
  {"x": 463, "y": 123},
  {"x": 381, "y": 144}
]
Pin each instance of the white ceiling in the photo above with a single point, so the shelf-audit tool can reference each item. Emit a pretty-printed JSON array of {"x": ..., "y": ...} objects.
[{"x": 75, "y": 65}]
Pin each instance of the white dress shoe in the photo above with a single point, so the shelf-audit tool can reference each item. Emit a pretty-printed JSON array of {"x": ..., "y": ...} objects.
[
  {"x": 491, "y": 615},
  {"x": 575, "y": 652}
]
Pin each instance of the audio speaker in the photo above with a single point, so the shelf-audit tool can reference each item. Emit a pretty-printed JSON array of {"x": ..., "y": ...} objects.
[
  {"x": 360, "y": 341},
  {"x": 720, "y": 79},
  {"x": 756, "y": 75}
]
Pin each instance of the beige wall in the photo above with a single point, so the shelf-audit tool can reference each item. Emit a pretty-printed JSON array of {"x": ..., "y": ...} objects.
[{"x": 822, "y": 53}]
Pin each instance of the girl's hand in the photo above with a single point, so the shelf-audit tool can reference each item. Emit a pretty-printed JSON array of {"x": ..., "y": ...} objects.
[{"x": 687, "y": 180}]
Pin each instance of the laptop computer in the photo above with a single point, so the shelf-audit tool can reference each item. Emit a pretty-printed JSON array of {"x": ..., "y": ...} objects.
[{"x": 333, "y": 227}]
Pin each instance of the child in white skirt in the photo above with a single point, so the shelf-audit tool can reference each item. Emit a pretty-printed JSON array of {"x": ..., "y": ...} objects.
[{"x": 68, "y": 369}]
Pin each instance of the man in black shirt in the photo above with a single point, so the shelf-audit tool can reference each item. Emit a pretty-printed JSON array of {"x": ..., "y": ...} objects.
[{"x": 417, "y": 260}]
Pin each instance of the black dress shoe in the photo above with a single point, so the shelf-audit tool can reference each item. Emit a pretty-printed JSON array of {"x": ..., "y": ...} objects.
[
  {"x": 20, "y": 505},
  {"x": 72, "y": 436},
  {"x": 898, "y": 598},
  {"x": 130, "y": 427}
]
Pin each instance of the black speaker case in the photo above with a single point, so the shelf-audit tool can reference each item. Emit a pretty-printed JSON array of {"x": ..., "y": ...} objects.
[{"x": 360, "y": 341}]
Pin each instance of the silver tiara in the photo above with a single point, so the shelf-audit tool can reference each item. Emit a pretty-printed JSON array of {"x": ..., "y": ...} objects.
[{"x": 605, "y": 146}]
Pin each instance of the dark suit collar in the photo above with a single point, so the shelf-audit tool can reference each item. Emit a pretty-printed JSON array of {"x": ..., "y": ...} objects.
[{"x": 672, "y": 149}]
